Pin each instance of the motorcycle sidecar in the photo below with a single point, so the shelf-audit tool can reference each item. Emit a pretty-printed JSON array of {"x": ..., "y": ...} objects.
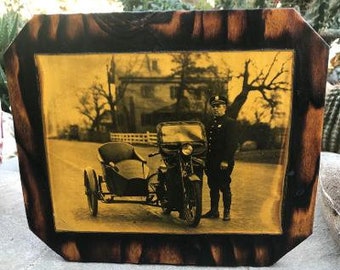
[{"x": 124, "y": 173}]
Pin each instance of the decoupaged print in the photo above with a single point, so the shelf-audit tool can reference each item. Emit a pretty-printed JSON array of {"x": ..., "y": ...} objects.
[{"x": 107, "y": 116}]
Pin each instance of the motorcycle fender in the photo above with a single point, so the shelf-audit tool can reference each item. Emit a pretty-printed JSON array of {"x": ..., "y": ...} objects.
[{"x": 194, "y": 177}]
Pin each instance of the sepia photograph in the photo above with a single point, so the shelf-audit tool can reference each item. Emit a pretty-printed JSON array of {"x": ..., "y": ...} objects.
[{"x": 178, "y": 142}]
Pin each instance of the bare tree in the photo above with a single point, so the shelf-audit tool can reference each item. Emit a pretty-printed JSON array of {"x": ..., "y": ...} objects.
[
  {"x": 92, "y": 105},
  {"x": 100, "y": 98},
  {"x": 217, "y": 85},
  {"x": 267, "y": 81},
  {"x": 117, "y": 87},
  {"x": 194, "y": 79}
]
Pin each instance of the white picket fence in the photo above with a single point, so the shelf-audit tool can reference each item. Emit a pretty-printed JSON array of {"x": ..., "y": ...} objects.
[{"x": 138, "y": 138}]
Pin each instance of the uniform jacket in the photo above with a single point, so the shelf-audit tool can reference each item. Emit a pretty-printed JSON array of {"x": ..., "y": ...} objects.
[{"x": 222, "y": 142}]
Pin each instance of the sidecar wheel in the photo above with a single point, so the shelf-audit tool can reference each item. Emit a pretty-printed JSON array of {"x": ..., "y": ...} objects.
[
  {"x": 91, "y": 190},
  {"x": 192, "y": 208}
]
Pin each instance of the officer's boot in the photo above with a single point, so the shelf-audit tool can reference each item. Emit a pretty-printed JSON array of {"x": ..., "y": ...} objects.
[
  {"x": 213, "y": 212},
  {"x": 226, "y": 205}
]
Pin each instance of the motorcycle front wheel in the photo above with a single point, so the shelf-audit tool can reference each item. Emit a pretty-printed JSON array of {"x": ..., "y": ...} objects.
[{"x": 192, "y": 208}]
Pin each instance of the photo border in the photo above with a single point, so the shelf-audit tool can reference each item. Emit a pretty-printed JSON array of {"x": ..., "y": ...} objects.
[{"x": 224, "y": 30}]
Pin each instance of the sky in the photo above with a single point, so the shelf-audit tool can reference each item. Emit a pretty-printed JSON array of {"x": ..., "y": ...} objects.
[{"x": 63, "y": 77}]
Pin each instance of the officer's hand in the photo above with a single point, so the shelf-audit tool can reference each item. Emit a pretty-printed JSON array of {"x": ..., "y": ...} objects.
[{"x": 224, "y": 165}]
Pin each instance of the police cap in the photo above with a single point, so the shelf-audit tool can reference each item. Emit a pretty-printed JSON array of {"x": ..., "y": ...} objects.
[{"x": 216, "y": 100}]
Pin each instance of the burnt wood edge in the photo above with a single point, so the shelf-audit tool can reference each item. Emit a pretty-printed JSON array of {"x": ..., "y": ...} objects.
[{"x": 222, "y": 250}]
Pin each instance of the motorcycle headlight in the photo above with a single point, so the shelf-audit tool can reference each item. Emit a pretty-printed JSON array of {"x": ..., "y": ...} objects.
[{"x": 187, "y": 149}]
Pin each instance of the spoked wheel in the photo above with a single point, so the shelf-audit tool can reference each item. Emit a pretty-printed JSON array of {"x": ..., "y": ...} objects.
[
  {"x": 192, "y": 208},
  {"x": 91, "y": 190},
  {"x": 161, "y": 191}
]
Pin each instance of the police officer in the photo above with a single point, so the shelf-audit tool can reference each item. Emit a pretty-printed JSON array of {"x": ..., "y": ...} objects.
[{"x": 222, "y": 144}]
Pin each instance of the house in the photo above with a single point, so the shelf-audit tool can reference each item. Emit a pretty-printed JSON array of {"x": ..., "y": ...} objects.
[{"x": 154, "y": 96}]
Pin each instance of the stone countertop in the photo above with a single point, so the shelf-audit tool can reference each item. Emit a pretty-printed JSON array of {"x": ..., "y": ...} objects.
[{"x": 21, "y": 249}]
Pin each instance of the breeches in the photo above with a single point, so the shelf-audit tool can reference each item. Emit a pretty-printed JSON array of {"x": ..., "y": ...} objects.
[{"x": 220, "y": 181}]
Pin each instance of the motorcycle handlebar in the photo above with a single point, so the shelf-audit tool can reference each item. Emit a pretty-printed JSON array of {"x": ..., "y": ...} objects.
[
  {"x": 199, "y": 161},
  {"x": 153, "y": 154}
]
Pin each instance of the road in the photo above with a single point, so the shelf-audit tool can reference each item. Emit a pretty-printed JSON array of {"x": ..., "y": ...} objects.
[{"x": 257, "y": 196}]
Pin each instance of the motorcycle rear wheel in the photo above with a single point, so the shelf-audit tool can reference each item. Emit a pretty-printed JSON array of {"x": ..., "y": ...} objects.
[{"x": 192, "y": 207}]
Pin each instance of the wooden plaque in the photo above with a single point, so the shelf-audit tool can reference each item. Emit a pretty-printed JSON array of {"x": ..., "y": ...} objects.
[{"x": 56, "y": 56}]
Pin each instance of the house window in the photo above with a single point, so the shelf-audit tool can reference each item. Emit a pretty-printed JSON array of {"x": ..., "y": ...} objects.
[
  {"x": 148, "y": 91},
  {"x": 173, "y": 92},
  {"x": 154, "y": 65}
]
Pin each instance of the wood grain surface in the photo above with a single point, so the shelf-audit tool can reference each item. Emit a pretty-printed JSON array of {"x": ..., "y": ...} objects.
[{"x": 161, "y": 32}]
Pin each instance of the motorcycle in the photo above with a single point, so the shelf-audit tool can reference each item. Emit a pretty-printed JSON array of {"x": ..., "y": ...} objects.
[
  {"x": 175, "y": 186},
  {"x": 182, "y": 146}
]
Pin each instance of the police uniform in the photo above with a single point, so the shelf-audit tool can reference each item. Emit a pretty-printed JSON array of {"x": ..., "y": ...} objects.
[{"x": 222, "y": 144}]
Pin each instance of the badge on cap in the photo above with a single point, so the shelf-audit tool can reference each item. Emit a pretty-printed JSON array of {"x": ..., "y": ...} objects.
[{"x": 215, "y": 100}]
